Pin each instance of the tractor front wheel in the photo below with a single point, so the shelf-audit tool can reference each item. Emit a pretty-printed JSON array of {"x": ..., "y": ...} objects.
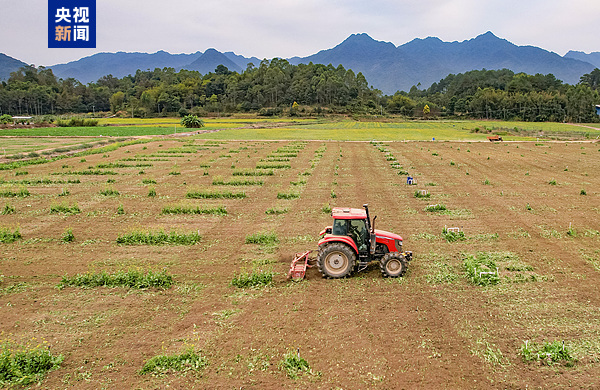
[
  {"x": 393, "y": 265},
  {"x": 336, "y": 260}
]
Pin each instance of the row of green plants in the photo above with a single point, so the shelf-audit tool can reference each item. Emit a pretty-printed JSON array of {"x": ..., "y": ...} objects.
[
  {"x": 130, "y": 279},
  {"x": 187, "y": 209},
  {"x": 141, "y": 237}
]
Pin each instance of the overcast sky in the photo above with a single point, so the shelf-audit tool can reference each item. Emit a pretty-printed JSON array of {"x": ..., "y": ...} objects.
[{"x": 286, "y": 28}]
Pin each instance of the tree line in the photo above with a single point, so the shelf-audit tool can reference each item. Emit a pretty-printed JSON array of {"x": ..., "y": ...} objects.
[{"x": 276, "y": 87}]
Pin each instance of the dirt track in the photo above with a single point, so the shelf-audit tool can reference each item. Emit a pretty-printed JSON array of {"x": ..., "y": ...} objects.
[{"x": 358, "y": 333}]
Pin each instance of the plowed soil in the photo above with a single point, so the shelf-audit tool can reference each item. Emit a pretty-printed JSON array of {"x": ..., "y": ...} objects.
[{"x": 429, "y": 329}]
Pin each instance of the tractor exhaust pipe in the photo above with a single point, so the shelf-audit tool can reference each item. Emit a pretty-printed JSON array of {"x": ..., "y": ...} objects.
[{"x": 371, "y": 224}]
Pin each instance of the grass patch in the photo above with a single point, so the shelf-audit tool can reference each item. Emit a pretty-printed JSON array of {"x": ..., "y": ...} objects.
[
  {"x": 65, "y": 208},
  {"x": 129, "y": 279},
  {"x": 215, "y": 195},
  {"x": 7, "y": 236},
  {"x": 254, "y": 279},
  {"x": 87, "y": 172},
  {"x": 151, "y": 192},
  {"x": 183, "y": 209},
  {"x": 326, "y": 208},
  {"x": 548, "y": 353},
  {"x": 148, "y": 181},
  {"x": 22, "y": 365},
  {"x": 189, "y": 360},
  {"x": 158, "y": 238}
]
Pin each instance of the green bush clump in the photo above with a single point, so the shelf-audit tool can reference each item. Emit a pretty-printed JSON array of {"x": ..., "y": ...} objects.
[
  {"x": 275, "y": 211},
  {"x": 21, "y": 193},
  {"x": 481, "y": 269},
  {"x": 158, "y": 238},
  {"x": 291, "y": 195},
  {"x": 64, "y": 208},
  {"x": 293, "y": 365},
  {"x": 130, "y": 279},
  {"x": 273, "y": 166},
  {"x": 452, "y": 236},
  {"x": 547, "y": 353},
  {"x": 22, "y": 365},
  {"x": 435, "y": 207},
  {"x": 220, "y": 182},
  {"x": 190, "y": 360},
  {"x": 262, "y": 238},
  {"x": 253, "y": 279},
  {"x": 7, "y": 236},
  {"x": 8, "y": 209},
  {"x": 109, "y": 192},
  {"x": 68, "y": 235},
  {"x": 421, "y": 195}
]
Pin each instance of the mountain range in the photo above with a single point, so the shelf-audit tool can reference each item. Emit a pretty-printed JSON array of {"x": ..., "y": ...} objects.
[{"x": 387, "y": 67}]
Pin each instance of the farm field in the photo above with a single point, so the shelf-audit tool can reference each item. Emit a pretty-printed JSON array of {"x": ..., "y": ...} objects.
[
  {"x": 234, "y": 208},
  {"x": 321, "y": 129}
]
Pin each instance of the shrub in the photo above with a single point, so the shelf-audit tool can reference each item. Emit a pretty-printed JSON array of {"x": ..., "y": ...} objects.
[
  {"x": 435, "y": 207},
  {"x": 274, "y": 211},
  {"x": 130, "y": 279},
  {"x": 109, "y": 192},
  {"x": 481, "y": 269},
  {"x": 151, "y": 192},
  {"x": 293, "y": 364},
  {"x": 120, "y": 210},
  {"x": 547, "y": 353},
  {"x": 552, "y": 182},
  {"x": 253, "y": 280},
  {"x": 190, "y": 360},
  {"x": 582, "y": 192},
  {"x": 419, "y": 194},
  {"x": 77, "y": 122},
  {"x": 68, "y": 235},
  {"x": 64, "y": 208},
  {"x": 7, "y": 236},
  {"x": 21, "y": 193},
  {"x": 8, "y": 209},
  {"x": 291, "y": 195},
  {"x": 262, "y": 238},
  {"x": 21, "y": 365},
  {"x": 5, "y": 119},
  {"x": 452, "y": 236},
  {"x": 326, "y": 208},
  {"x": 192, "y": 121}
]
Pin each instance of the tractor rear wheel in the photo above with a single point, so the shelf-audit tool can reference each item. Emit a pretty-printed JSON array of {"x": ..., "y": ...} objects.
[
  {"x": 393, "y": 265},
  {"x": 336, "y": 260}
]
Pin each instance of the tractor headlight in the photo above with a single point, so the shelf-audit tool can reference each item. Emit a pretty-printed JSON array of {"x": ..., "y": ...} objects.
[{"x": 399, "y": 245}]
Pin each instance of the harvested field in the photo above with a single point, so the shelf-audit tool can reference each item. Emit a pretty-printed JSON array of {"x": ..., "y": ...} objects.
[{"x": 530, "y": 209}]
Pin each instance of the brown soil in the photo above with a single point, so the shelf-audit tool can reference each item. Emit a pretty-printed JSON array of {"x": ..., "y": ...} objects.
[{"x": 358, "y": 333}]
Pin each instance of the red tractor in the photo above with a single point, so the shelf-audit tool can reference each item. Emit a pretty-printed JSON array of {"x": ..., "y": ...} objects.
[{"x": 353, "y": 242}]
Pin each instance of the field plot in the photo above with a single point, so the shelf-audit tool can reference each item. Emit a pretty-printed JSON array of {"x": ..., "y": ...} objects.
[{"x": 163, "y": 264}]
